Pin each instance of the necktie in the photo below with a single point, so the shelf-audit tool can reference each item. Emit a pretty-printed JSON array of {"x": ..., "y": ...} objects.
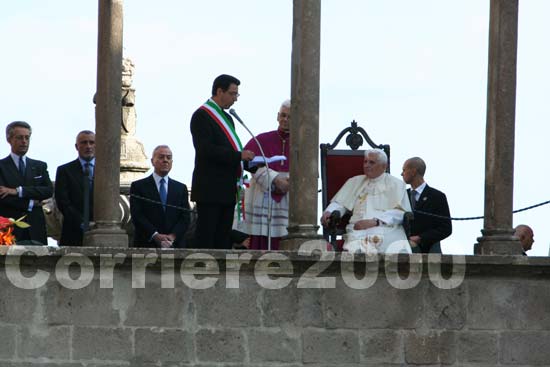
[
  {"x": 413, "y": 199},
  {"x": 87, "y": 169},
  {"x": 86, "y": 206},
  {"x": 89, "y": 172},
  {"x": 21, "y": 166},
  {"x": 162, "y": 192},
  {"x": 90, "y": 169}
]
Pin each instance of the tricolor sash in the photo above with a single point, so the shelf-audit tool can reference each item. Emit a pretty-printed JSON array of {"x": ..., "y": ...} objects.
[
  {"x": 216, "y": 113},
  {"x": 219, "y": 117}
]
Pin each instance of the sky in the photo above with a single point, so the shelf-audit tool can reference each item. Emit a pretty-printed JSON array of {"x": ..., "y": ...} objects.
[{"x": 412, "y": 73}]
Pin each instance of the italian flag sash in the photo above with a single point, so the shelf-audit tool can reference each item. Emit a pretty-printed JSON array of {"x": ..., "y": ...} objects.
[{"x": 217, "y": 115}]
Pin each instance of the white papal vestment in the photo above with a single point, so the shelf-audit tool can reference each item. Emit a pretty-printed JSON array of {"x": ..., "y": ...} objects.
[{"x": 384, "y": 198}]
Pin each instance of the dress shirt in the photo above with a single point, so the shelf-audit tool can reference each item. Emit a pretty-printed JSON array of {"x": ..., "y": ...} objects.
[
  {"x": 19, "y": 189},
  {"x": 91, "y": 165},
  {"x": 419, "y": 190},
  {"x": 157, "y": 182}
]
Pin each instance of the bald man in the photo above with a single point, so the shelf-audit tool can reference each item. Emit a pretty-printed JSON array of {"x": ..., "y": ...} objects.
[
  {"x": 526, "y": 237},
  {"x": 426, "y": 231}
]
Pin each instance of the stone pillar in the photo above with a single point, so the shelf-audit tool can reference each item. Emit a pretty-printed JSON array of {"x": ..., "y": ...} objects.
[
  {"x": 107, "y": 232},
  {"x": 304, "y": 127},
  {"x": 499, "y": 146}
]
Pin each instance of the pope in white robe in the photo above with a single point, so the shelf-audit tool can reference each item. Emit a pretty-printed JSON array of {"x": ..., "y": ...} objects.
[{"x": 378, "y": 202}]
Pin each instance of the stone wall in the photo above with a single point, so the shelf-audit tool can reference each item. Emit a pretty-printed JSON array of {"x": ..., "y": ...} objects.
[{"x": 492, "y": 311}]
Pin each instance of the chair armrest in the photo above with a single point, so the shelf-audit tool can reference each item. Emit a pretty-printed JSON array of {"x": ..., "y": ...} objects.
[
  {"x": 334, "y": 221},
  {"x": 408, "y": 217}
]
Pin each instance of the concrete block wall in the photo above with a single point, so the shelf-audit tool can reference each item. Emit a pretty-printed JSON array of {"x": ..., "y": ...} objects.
[{"x": 497, "y": 316}]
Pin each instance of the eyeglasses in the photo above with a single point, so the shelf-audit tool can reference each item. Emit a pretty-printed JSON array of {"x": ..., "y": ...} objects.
[{"x": 234, "y": 94}]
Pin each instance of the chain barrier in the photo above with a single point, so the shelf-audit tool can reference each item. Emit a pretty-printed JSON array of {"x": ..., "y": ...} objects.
[
  {"x": 414, "y": 211},
  {"x": 160, "y": 203},
  {"x": 481, "y": 216}
]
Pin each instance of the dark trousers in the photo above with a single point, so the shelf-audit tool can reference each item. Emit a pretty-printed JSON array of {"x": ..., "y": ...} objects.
[
  {"x": 434, "y": 249},
  {"x": 214, "y": 222}
]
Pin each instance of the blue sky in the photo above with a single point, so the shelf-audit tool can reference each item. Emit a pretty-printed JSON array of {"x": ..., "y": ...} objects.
[{"x": 412, "y": 73}]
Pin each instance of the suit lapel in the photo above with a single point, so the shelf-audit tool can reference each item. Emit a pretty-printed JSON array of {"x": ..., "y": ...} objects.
[
  {"x": 423, "y": 197},
  {"x": 12, "y": 171},
  {"x": 75, "y": 170},
  {"x": 152, "y": 188},
  {"x": 172, "y": 193},
  {"x": 29, "y": 170},
  {"x": 155, "y": 195}
]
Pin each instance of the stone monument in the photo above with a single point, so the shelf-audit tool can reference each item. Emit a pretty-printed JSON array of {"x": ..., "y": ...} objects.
[{"x": 133, "y": 160}]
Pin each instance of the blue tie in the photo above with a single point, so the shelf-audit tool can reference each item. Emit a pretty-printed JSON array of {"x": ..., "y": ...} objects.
[
  {"x": 162, "y": 192},
  {"x": 86, "y": 206},
  {"x": 21, "y": 166},
  {"x": 88, "y": 172}
]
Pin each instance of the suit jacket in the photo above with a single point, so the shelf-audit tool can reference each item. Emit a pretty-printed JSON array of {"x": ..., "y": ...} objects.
[
  {"x": 69, "y": 198},
  {"x": 431, "y": 229},
  {"x": 149, "y": 217},
  {"x": 36, "y": 185},
  {"x": 217, "y": 164}
]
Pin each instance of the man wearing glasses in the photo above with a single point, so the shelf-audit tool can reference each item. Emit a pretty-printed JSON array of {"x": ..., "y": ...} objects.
[
  {"x": 24, "y": 184},
  {"x": 218, "y": 168}
]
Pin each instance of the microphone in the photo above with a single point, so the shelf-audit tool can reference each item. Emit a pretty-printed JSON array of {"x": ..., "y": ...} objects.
[
  {"x": 269, "y": 201},
  {"x": 234, "y": 113}
]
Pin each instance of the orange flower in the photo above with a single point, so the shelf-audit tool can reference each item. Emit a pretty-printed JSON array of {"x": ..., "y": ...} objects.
[
  {"x": 6, "y": 228},
  {"x": 6, "y": 237}
]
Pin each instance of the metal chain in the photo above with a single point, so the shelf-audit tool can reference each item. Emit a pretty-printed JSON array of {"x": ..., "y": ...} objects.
[
  {"x": 414, "y": 211},
  {"x": 159, "y": 203},
  {"x": 479, "y": 217}
]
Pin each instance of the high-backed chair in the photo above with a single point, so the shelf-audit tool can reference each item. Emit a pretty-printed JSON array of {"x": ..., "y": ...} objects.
[{"x": 337, "y": 165}]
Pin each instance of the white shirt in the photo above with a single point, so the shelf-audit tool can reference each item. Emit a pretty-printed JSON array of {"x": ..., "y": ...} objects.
[
  {"x": 15, "y": 158},
  {"x": 419, "y": 190},
  {"x": 19, "y": 189},
  {"x": 157, "y": 182},
  {"x": 91, "y": 162}
]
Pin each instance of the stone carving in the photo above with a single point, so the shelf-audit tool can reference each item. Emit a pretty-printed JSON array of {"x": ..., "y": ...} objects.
[
  {"x": 128, "y": 68},
  {"x": 133, "y": 160}
]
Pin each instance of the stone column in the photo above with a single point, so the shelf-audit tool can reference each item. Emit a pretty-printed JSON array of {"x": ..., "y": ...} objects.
[
  {"x": 499, "y": 146},
  {"x": 107, "y": 232},
  {"x": 304, "y": 127}
]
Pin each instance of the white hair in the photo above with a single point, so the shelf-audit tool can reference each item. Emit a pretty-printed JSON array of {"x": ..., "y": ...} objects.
[
  {"x": 382, "y": 157},
  {"x": 286, "y": 103},
  {"x": 160, "y": 147}
]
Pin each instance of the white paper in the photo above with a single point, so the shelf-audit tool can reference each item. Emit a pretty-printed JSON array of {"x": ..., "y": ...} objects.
[{"x": 260, "y": 160}]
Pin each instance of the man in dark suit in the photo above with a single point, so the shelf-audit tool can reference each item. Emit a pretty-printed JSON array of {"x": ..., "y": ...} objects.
[
  {"x": 218, "y": 165},
  {"x": 24, "y": 184},
  {"x": 156, "y": 204},
  {"x": 74, "y": 190},
  {"x": 426, "y": 231}
]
